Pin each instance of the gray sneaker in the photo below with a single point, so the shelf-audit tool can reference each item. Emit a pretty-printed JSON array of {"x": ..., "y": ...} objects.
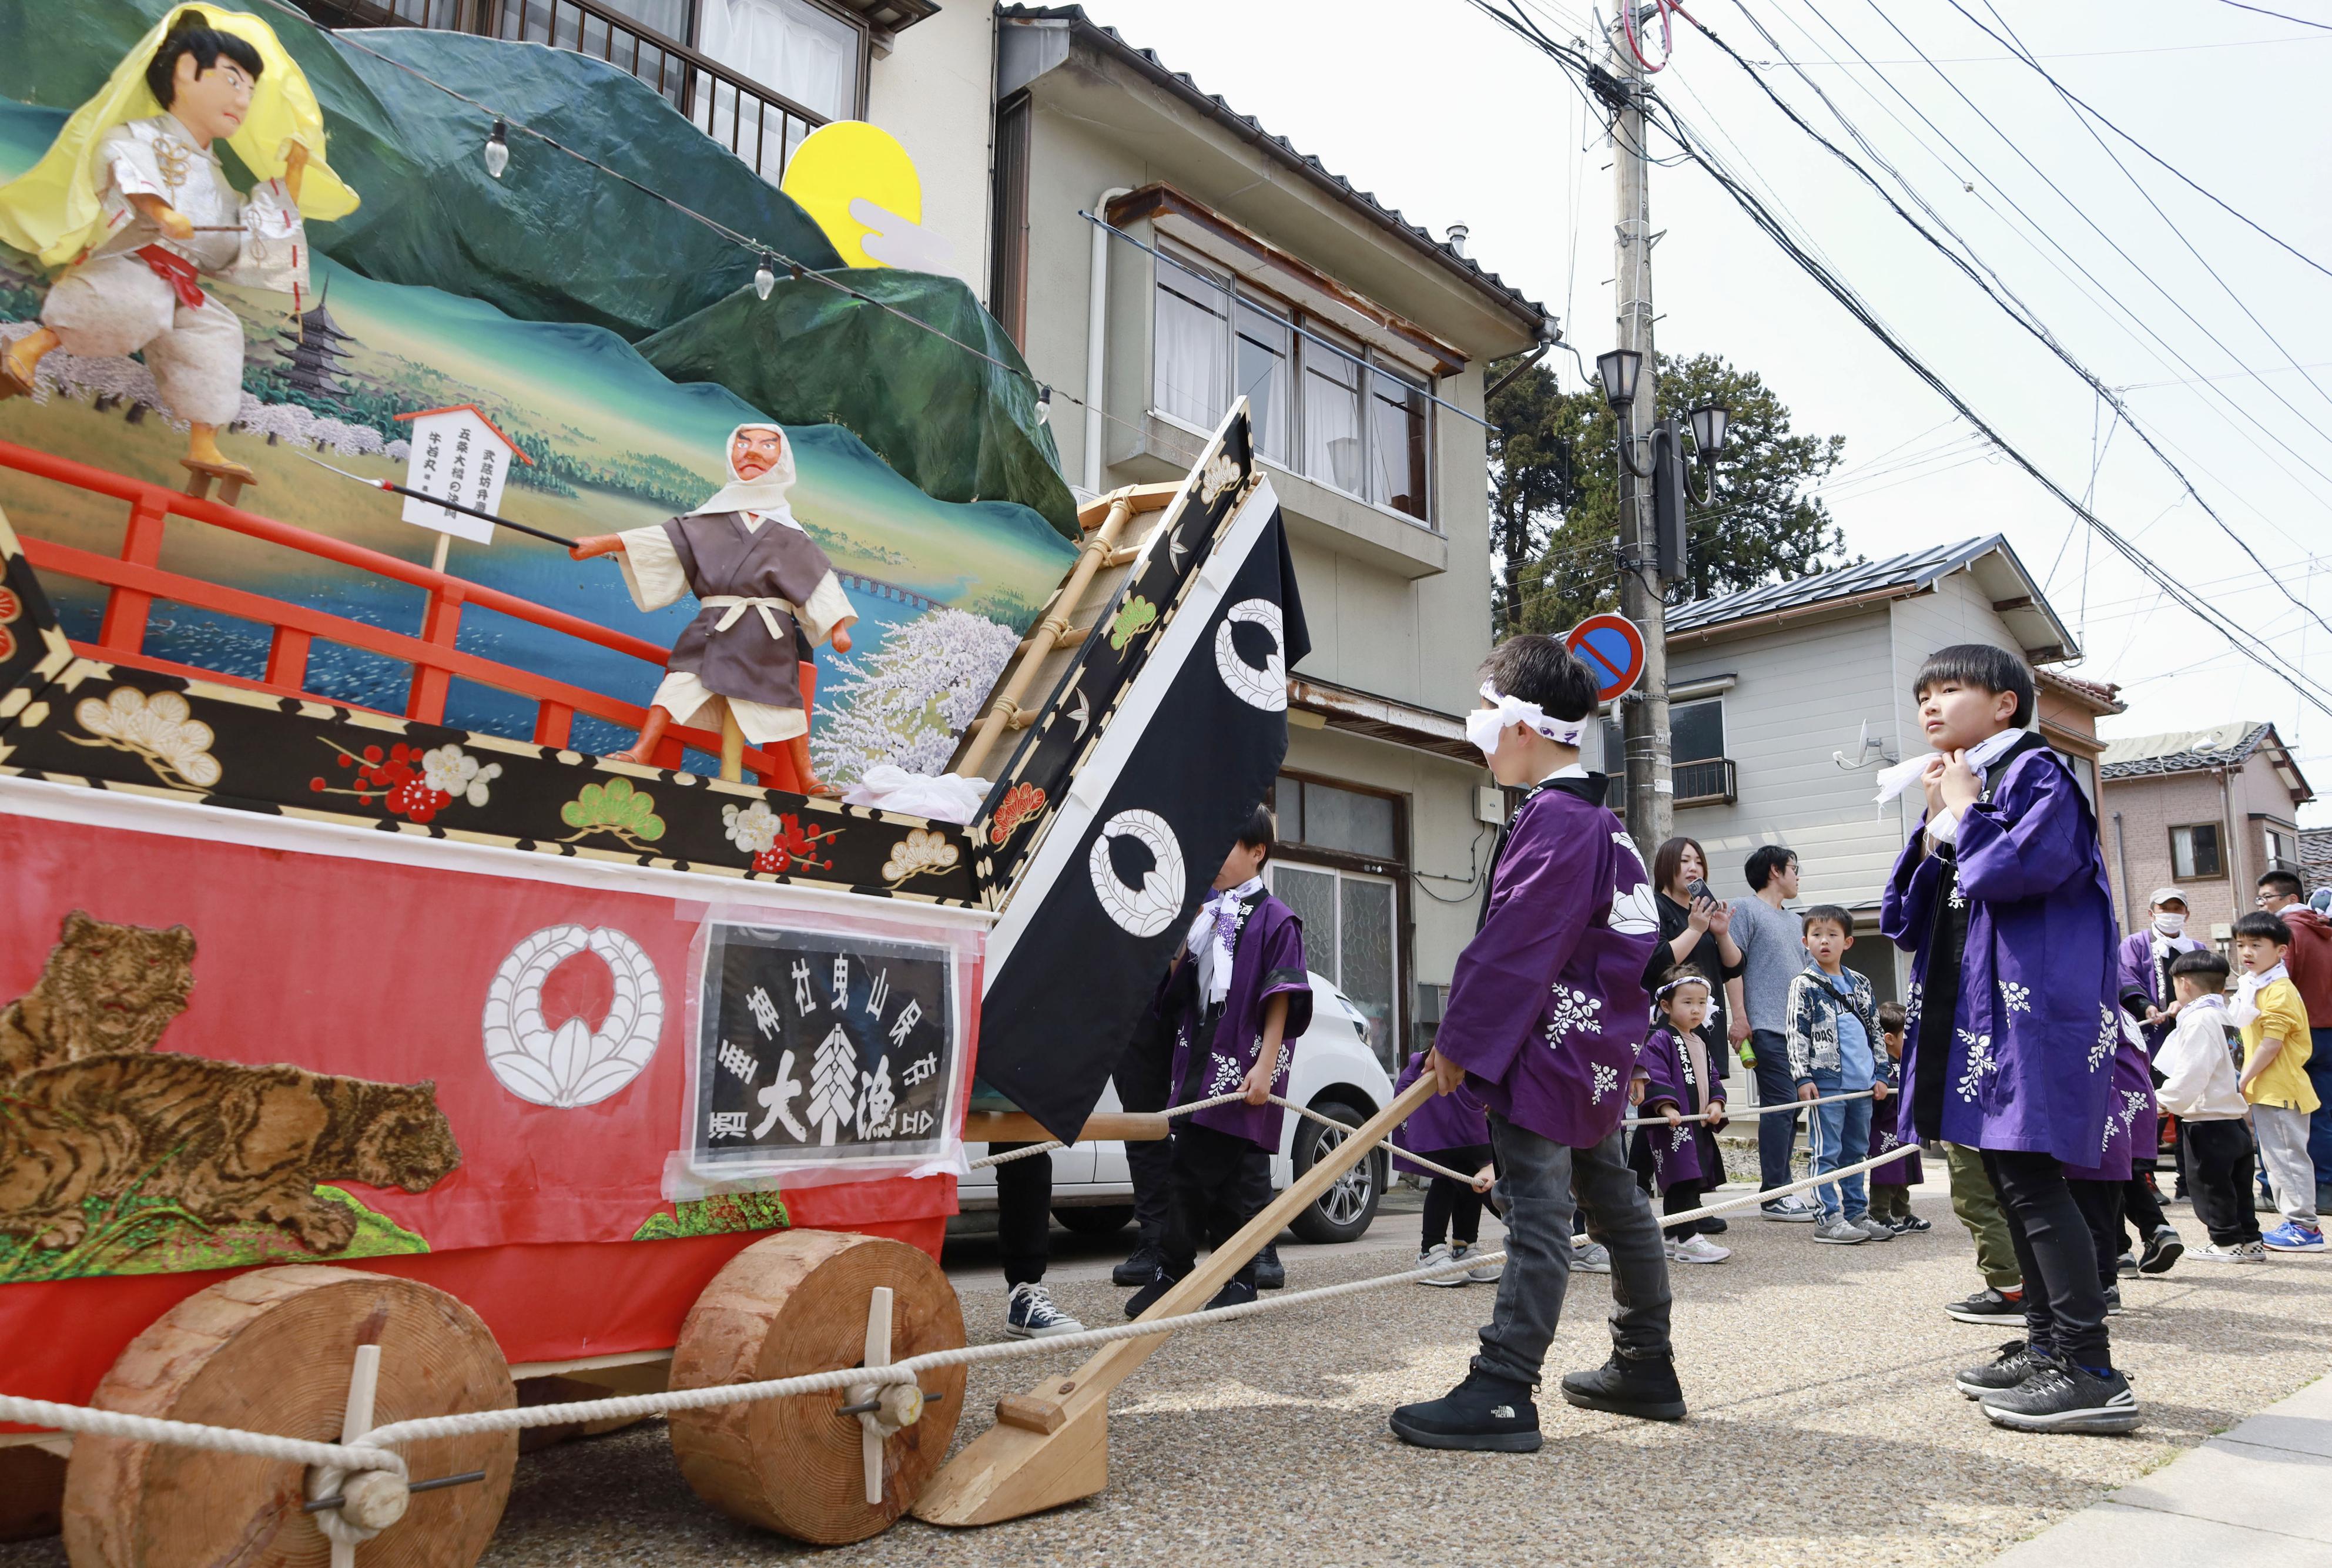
[
  {"x": 1839, "y": 1231},
  {"x": 1481, "y": 1273},
  {"x": 1876, "y": 1228},
  {"x": 1592, "y": 1259},
  {"x": 1433, "y": 1256}
]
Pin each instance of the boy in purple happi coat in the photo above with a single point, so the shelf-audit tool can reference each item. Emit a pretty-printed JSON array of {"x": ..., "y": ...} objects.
[
  {"x": 1234, "y": 994},
  {"x": 2014, "y": 1014},
  {"x": 1546, "y": 1009},
  {"x": 1452, "y": 1131}
]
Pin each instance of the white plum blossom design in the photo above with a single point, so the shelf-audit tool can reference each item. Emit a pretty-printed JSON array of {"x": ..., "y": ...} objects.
[
  {"x": 2132, "y": 1103},
  {"x": 751, "y": 829},
  {"x": 1888, "y": 1141},
  {"x": 2109, "y": 1036},
  {"x": 450, "y": 771},
  {"x": 1911, "y": 1012},
  {"x": 1604, "y": 1080},
  {"x": 159, "y": 727},
  {"x": 1228, "y": 1077},
  {"x": 1980, "y": 1065},
  {"x": 2015, "y": 998},
  {"x": 1574, "y": 1013}
]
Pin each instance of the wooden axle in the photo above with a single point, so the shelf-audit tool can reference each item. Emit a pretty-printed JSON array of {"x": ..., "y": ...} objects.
[
  {"x": 1014, "y": 1127},
  {"x": 1051, "y": 1445}
]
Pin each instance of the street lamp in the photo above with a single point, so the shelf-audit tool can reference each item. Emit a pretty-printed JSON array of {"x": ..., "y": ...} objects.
[
  {"x": 1617, "y": 370},
  {"x": 1709, "y": 422}
]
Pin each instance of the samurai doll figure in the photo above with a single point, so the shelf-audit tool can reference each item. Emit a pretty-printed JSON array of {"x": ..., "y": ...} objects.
[
  {"x": 766, "y": 595},
  {"x": 131, "y": 201}
]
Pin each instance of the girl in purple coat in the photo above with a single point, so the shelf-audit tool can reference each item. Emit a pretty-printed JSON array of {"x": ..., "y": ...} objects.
[
  {"x": 2002, "y": 898},
  {"x": 1679, "y": 1159},
  {"x": 1449, "y": 1130}
]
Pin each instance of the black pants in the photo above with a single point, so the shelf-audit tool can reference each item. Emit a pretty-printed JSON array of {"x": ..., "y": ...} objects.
[
  {"x": 1143, "y": 1069},
  {"x": 1219, "y": 1184},
  {"x": 2064, "y": 1299},
  {"x": 1024, "y": 1215},
  {"x": 2141, "y": 1208},
  {"x": 1451, "y": 1209},
  {"x": 2101, "y": 1204},
  {"x": 1678, "y": 1199},
  {"x": 2218, "y": 1158}
]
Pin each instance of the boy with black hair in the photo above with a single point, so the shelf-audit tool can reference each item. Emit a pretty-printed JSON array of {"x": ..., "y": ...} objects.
[
  {"x": 2276, "y": 1048},
  {"x": 2310, "y": 963},
  {"x": 2202, "y": 1088},
  {"x": 1234, "y": 995},
  {"x": 1890, "y": 1185},
  {"x": 1546, "y": 1010},
  {"x": 1835, "y": 1053},
  {"x": 1772, "y": 952},
  {"x": 2003, "y": 900}
]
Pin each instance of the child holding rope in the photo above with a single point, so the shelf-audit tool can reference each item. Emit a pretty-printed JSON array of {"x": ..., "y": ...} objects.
[
  {"x": 2002, "y": 898},
  {"x": 1545, "y": 1011},
  {"x": 1449, "y": 1130},
  {"x": 1890, "y": 1185},
  {"x": 1237, "y": 991},
  {"x": 1679, "y": 1159}
]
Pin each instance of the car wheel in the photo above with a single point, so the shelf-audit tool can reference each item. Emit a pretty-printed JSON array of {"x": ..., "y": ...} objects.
[
  {"x": 1107, "y": 1219},
  {"x": 1344, "y": 1211}
]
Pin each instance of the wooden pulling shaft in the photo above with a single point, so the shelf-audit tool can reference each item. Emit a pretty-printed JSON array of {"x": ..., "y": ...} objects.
[{"x": 1051, "y": 1445}]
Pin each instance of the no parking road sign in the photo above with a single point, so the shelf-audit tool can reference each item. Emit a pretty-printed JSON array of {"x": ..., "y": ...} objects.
[{"x": 1614, "y": 650}]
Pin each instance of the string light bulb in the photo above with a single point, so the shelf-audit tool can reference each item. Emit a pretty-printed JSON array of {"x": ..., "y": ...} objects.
[
  {"x": 1044, "y": 405},
  {"x": 498, "y": 150},
  {"x": 765, "y": 276}
]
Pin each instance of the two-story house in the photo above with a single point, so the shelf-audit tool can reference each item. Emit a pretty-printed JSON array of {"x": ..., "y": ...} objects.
[
  {"x": 2205, "y": 811},
  {"x": 1786, "y": 700}
]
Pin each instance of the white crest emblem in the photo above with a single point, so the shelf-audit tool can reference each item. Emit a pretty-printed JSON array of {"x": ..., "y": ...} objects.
[
  {"x": 1264, "y": 688},
  {"x": 1151, "y": 908},
  {"x": 573, "y": 1063}
]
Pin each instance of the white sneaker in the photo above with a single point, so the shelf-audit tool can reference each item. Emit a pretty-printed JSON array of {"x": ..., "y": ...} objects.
[
  {"x": 1481, "y": 1273},
  {"x": 1698, "y": 1249},
  {"x": 1439, "y": 1253},
  {"x": 2241, "y": 1252}
]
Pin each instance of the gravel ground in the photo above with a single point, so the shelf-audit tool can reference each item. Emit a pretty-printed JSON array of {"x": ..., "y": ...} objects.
[{"x": 1824, "y": 1427}]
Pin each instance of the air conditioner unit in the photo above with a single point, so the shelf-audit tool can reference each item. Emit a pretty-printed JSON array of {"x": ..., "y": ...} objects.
[{"x": 1430, "y": 999}]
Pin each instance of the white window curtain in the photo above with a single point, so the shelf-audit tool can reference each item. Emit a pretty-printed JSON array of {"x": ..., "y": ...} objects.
[
  {"x": 1193, "y": 346},
  {"x": 788, "y": 45},
  {"x": 1332, "y": 416}
]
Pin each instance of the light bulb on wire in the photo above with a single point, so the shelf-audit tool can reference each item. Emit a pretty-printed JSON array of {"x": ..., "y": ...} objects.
[
  {"x": 1044, "y": 405},
  {"x": 498, "y": 150},
  {"x": 765, "y": 276}
]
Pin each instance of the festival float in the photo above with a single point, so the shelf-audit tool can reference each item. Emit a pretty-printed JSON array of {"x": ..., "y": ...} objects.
[{"x": 445, "y": 972}]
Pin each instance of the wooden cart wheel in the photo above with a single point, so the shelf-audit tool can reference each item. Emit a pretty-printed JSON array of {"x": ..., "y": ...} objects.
[
  {"x": 796, "y": 1303},
  {"x": 270, "y": 1352}
]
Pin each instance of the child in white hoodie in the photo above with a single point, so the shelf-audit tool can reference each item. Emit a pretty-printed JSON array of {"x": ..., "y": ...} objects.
[{"x": 2200, "y": 1086}]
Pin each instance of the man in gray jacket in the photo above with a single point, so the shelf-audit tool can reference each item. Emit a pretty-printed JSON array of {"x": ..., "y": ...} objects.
[{"x": 1773, "y": 950}]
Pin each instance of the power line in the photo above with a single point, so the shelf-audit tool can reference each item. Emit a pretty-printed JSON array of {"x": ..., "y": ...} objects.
[
  {"x": 2022, "y": 314},
  {"x": 1852, "y": 302},
  {"x": 2278, "y": 15},
  {"x": 2068, "y": 54}
]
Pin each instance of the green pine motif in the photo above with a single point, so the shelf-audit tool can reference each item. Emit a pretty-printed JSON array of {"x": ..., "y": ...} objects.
[
  {"x": 613, "y": 807},
  {"x": 723, "y": 1214},
  {"x": 1136, "y": 616}
]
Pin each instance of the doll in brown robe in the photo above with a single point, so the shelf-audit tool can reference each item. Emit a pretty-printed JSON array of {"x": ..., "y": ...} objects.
[{"x": 763, "y": 587}]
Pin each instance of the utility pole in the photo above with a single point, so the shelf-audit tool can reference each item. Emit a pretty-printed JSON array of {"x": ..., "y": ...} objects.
[{"x": 1644, "y": 712}]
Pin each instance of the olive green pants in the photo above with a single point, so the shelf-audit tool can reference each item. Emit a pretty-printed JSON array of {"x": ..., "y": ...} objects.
[{"x": 1978, "y": 1208}]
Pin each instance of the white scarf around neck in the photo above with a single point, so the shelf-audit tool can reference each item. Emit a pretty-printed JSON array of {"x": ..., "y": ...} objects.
[
  {"x": 759, "y": 499},
  {"x": 2245, "y": 1006},
  {"x": 1209, "y": 948}
]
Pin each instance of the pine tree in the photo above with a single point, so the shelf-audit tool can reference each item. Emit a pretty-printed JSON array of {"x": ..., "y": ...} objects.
[{"x": 833, "y": 1085}]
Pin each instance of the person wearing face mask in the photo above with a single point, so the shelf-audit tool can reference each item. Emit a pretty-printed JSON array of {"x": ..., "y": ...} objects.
[{"x": 2145, "y": 959}]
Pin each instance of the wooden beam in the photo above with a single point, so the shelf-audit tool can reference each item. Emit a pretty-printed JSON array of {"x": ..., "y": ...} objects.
[
  {"x": 1053, "y": 1446},
  {"x": 2022, "y": 602},
  {"x": 1013, "y": 1127}
]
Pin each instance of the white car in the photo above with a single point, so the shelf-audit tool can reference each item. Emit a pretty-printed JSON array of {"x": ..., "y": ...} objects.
[{"x": 1334, "y": 1072}]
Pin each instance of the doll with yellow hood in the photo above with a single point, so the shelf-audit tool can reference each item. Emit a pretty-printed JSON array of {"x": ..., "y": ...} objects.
[
  {"x": 765, "y": 592},
  {"x": 131, "y": 201}
]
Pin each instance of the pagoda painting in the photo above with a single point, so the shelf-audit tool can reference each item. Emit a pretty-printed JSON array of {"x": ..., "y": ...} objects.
[{"x": 315, "y": 357}]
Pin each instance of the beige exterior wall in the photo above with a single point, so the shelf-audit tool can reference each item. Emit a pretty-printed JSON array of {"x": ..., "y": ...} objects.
[
  {"x": 2140, "y": 812},
  {"x": 936, "y": 92}
]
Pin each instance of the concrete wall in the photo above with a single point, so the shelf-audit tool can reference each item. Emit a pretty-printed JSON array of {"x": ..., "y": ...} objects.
[
  {"x": 936, "y": 92},
  {"x": 2140, "y": 812}
]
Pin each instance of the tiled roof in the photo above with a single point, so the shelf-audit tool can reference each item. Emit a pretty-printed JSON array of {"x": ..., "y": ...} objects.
[
  {"x": 2315, "y": 855},
  {"x": 2103, "y": 695},
  {"x": 1895, "y": 578},
  {"x": 1279, "y": 146},
  {"x": 2184, "y": 751}
]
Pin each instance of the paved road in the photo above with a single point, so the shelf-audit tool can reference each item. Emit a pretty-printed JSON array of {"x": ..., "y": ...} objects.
[{"x": 1824, "y": 1427}]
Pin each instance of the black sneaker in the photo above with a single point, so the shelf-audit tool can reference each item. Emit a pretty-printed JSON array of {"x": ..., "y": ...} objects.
[
  {"x": 1912, "y": 1225},
  {"x": 2011, "y": 1367},
  {"x": 1146, "y": 1261},
  {"x": 1484, "y": 1413},
  {"x": 1235, "y": 1292},
  {"x": 1270, "y": 1274},
  {"x": 2059, "y": 1397},
  {"x": 1142, "y": 1300},
  {"x": 2112, "y": 1301},
  {"x": 1641, "y": 1386},
  {"x": 1712, "y": 1225},
  {"x": 2126, "y": 1265},
  {"x": 2163, "y": 1248},
  {"x": 1989, "y": 1305}
]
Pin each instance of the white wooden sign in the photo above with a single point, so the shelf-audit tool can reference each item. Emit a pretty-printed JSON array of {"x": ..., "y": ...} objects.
[{"x": 458, "y": 455}]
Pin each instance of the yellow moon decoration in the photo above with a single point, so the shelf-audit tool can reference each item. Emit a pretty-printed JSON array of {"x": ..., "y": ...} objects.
[{"x": 839, "y": 162}]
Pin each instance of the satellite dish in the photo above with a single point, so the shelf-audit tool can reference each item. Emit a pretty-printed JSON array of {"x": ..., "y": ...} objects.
[{"x": 1865, "y": 747}]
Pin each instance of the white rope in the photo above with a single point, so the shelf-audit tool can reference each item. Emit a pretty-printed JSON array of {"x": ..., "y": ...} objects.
[
  {"x": 370, "y": 1452},
  {"x": 1420, "y": 1161},
  {"x": 1773, "y": 1110}
]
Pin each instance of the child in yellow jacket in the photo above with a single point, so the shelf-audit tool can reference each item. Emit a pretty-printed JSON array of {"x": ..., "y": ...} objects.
[{"x": 2276, "y": 1047}]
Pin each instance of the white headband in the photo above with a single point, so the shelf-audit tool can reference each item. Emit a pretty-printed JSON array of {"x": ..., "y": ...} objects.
[{"x": 1485, "y": 725}]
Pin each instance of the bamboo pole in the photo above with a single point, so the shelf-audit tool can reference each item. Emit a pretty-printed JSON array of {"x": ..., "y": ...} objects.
[
  {"x": 732, "y": 747},
  {"x": 1049, "y": 635}
]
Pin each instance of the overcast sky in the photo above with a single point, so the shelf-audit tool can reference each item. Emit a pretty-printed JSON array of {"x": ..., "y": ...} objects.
[{"x": 1449, "y": 119}]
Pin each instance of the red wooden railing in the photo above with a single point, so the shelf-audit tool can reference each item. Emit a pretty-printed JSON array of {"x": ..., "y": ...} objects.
[{"x": 135, "y": 579}]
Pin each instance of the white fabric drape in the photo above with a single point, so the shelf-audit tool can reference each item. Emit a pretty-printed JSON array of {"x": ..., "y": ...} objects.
[{"x": 795, "y": 48}]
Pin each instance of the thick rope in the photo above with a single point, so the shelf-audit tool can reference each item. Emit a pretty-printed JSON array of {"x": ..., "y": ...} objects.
[
  {"x": 1420, "y": 1161},
  {"x": 1773, "y": 1110},
  {"x": 361, "y": 1456}
]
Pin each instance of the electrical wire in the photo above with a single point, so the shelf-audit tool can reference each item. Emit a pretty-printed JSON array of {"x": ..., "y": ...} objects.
[
  {"x": 2278, "y": 15},
  {"x": 2019, "y": 313},
  {"x": 1851, "y": 302}
]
